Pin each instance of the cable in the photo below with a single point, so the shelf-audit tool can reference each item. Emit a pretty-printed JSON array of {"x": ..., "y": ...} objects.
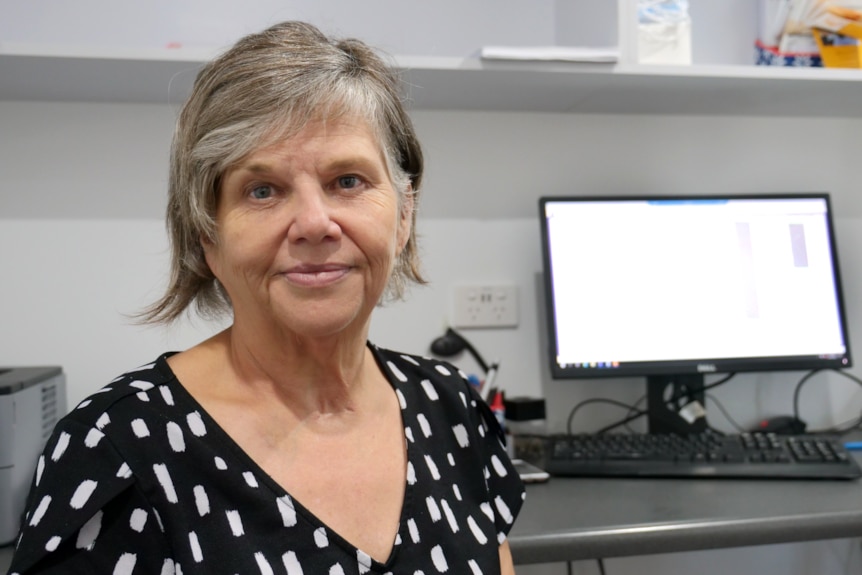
[
  {"x": 635, "y": 409},
  {"x": 798, "y": 388},
  {"x": 724, "y": 412},
  {"x": 837, "y": 428},
  {"x": 627, "y": 419},
  {"x": 843, "y": 427},
  {"x": 634, "y": 412},
  {"x": 595, "y": 400}
]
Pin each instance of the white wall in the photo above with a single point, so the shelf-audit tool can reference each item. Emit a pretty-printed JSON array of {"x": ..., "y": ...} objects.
[
  {"x": 404, "y": 28},
  {"x": 82, "y": 243}
]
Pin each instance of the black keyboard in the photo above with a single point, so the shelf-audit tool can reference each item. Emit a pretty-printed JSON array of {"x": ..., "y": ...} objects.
[{"x": 745, "y": 455}]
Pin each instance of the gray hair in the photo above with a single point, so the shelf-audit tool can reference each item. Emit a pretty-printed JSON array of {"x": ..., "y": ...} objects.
[{"x": 266, "y": 87}]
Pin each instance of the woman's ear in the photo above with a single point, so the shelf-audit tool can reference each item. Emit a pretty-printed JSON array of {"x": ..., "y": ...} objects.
[{"x": 405, "y": 222}]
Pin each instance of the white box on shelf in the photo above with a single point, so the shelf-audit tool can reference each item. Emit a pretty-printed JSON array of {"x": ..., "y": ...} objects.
[{"x": 664, "y": 43}]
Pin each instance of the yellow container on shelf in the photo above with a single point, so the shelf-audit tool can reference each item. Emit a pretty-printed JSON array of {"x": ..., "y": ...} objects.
[{"x": 838, "y": 51}]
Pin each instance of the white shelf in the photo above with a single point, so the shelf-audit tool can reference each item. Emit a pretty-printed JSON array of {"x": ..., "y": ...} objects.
[{"x": 165, "y": 76}]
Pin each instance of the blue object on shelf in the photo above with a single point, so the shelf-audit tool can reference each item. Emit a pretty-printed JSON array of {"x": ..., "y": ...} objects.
[{"x": 770, "y": 56}]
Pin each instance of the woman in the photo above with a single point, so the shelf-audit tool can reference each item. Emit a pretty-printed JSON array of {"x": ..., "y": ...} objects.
[{"x": 286, "y": 443}]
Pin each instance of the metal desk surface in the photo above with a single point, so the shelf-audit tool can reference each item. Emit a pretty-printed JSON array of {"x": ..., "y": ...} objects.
[
  {"x": 584, "y": 518},
  {"x": 571, "y": 519}
]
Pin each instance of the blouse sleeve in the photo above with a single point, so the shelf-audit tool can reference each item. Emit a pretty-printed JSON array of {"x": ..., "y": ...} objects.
[
  {"x": 85, "y": 514},
  {"x": 505, "y": 489}
]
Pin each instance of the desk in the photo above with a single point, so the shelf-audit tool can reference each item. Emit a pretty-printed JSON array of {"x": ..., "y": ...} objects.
[{"x": 570, "y": 519}]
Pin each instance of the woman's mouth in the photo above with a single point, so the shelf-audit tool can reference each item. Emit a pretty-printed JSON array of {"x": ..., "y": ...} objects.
[{"x": 316, "y": 275}]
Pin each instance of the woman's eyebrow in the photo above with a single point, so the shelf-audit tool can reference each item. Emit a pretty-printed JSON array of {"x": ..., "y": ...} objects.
[
  {"x": 350, "y": 162},
  {"x": 257, "y": 168},
  {"x": 336, "y": 164}
]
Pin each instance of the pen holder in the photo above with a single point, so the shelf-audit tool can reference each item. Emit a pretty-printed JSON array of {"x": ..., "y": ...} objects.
[{"x": 527, "y": 426}]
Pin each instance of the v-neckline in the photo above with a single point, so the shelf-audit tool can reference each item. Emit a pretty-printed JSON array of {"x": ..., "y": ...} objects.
[{"x": 279, "y": 491}]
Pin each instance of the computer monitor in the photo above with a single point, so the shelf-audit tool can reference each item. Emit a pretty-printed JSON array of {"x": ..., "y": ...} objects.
[{"x": 674, "y": 287}]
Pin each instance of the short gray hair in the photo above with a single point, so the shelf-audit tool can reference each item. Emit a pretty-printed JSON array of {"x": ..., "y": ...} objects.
[{"x": 268, "y": 86}]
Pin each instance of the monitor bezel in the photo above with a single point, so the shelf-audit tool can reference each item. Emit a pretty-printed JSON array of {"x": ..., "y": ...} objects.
[{"x": 701, "y": 366}]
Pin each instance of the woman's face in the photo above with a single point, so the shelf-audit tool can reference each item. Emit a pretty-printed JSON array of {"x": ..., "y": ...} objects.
[{"x": 309, "y": 230}]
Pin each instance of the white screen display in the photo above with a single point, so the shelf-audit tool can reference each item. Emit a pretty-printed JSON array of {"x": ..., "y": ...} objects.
[{"x": 668, "y": 280}]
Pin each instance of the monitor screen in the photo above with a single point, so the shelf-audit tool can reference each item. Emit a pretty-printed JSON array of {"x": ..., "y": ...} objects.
[{"x": 691, "y": 285}]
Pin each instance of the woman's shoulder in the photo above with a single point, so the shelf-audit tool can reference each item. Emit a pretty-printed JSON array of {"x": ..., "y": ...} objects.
[
  {"x": 437, "y": 379},
  {"x": 407, "y": 366},
  {"x": 129, "y": 391}
]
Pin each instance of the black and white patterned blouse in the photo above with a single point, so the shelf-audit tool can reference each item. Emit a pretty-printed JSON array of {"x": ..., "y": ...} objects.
[{"x": 138, "y": 479}]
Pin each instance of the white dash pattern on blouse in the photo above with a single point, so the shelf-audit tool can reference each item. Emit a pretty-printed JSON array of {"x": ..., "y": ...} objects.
[
  {"x": 235, "y": 522},
  {"x": 250, "y": 479},
  {"x": 424, "y": 425},
  {"x": 124, "y": 472},
  {"x": 140, "y": 429},
  {"x": 429, "y": 389},
  {"x": 320, "y": 537},
  {"x": 196, "y": 424},
  {"x": 125, "y": 564},
  {"x": 175, "y": 437},
  {"x": 138, "y": 520},
  {"x": 263, "y": 564},
  {"x": 60, "y": 448},
  {"x": 433, "y": 509},
  {"x": 432, "y": 467},
  {"x": 291, "y": 564},
  {"x": 439, "y": 559},
  {"x": 53, "y": 543},
  {"x": 396, "y": 372},
  {"x": 442, "y": 369},
  {"x": 202, "y": 501},
  {"x": 167, "y": 396},
  {"x": 94, "y": 436},
  {"x": 461, "y": 435},
  {"x": 164, "y": 479},
  {"x": 82, "y": 493},
  {"x": 142, "y": 385},
  {"x": 194, "y": 544},
  {"x": 476, "y": 531},
  {"x": 103, "y": 421},
  {"x": 287, "y": 510}
]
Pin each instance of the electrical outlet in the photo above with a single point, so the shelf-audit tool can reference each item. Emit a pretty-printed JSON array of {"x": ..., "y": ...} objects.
[{"x": 485, "y": 305}]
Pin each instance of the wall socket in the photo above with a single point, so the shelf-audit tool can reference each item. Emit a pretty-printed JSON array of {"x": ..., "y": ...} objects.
[{"x": 485, "y": 305}]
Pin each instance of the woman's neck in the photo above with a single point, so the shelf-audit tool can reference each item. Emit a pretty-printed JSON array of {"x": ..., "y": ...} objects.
[{"x": 314, "y": 375}]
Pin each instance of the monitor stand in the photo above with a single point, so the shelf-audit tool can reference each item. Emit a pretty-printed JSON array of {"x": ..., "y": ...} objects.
[{"x": 668, "y": 399}]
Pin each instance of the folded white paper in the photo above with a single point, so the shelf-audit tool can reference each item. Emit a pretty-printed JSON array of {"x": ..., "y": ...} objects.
[{"x": 550, "y": 53}]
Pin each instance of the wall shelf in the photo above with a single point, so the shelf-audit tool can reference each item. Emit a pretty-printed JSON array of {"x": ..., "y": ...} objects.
[{"x": 451, "y": 83}]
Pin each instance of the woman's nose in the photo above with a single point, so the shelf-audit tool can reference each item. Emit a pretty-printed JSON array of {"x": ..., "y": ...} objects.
[{"x": 311, "y": 218}]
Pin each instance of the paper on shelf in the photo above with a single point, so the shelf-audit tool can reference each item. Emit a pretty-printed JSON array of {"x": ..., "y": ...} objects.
[
  {"x": 840, "y": 23},
  {"x": 550, "y": 53}
]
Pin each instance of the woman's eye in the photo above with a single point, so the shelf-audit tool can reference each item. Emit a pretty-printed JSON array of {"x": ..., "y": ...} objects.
[
  {"x": 261, "y": 192},
  {"x": 348, "y": 182}
]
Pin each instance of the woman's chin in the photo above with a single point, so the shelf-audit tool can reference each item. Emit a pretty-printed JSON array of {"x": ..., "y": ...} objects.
[{"x": 322, "y": 321}]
